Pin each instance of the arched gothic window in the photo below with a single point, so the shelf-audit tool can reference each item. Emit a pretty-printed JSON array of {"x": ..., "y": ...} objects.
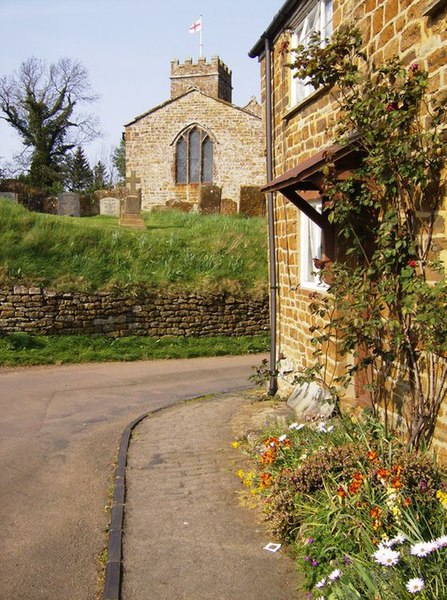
[{"x": 194, "y": 157}]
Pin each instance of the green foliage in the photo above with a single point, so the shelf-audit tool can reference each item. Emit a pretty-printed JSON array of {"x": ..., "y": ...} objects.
[
  {"x": 119, "y": 160},
  {"x": 385, "y": 310},
  {"x": 337, "y": 492},
  {"x": 79, "y": 174},
  {"x": 176, "y": 251},
  {"x": 100, "y": 177},
  {"x": 24, "y": 349},
  {"x": 41, "y": 103}
]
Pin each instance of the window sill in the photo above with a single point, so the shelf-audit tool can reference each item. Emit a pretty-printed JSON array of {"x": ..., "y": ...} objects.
[
  {"x": 291, "y": 111},
  {"x": 314, "y": 287}
]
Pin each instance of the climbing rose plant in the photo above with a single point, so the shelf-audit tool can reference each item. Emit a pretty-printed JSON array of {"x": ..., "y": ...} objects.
[{"x": 385, "y": 308}]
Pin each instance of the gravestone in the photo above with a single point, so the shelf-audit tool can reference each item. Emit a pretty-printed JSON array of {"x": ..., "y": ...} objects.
[
  {"x": 251, "y": 201},
  {"x": 130, "y": 207},
  {"x": 11, "y": 196},
  {"x": 210, "y": 197},
  {"x": 68, "y": 204},
  {"x": 109, "y": 207}
]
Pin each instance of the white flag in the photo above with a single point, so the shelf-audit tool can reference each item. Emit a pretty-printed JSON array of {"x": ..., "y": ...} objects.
[{"x": 196, "y": 26}]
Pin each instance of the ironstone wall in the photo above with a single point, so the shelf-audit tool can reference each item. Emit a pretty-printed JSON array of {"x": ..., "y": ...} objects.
[{"x": 46, "y": 312}]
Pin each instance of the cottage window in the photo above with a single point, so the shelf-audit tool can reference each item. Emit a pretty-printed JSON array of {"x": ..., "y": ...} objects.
[
  {"x": 316, "y": 20},
  {"x": 194, "y": 157},
  {"x": 311, "y": 247}
]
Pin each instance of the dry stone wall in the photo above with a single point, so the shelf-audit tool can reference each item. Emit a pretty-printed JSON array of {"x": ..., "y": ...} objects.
[{"x": 46, "y": 312}]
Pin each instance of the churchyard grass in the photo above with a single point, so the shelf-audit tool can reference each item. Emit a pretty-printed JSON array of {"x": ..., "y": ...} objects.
[
  {"x": 175, "y": 251},
  {"x": 23, "y": 349}
]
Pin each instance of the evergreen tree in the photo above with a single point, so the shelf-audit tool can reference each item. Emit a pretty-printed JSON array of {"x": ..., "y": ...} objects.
[
  {"x": 119, "y": 160},
  {"x": 79, "y": 173},
  {"x": 100, "y": 176}
]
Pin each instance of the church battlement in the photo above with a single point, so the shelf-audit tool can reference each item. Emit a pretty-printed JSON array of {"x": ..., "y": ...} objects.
[{"x": 212, "y": 78}]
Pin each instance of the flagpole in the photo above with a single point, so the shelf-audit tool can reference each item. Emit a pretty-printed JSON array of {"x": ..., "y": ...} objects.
[{"x": 201, "y": 37}]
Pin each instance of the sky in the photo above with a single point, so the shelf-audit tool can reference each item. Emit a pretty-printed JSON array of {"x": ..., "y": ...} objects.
[{"x": 126, "y": 47}]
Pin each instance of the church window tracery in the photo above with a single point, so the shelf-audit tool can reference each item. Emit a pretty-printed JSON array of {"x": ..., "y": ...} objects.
[{"x": 194, "y": 157}]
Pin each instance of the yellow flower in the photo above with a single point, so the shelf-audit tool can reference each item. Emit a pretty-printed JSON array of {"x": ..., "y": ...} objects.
[
  {"x": 442, "y": 497},
  {"x": 240, "y": 473},
  {"x": 235, "y": 444}
]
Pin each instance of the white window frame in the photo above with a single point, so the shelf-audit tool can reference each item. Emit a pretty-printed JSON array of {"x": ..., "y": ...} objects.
[
  {"x": 318, "y": 18},
  {"x": 311, "y": 246}
]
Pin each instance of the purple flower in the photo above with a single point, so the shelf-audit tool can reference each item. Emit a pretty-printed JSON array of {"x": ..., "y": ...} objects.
[
  {"x": 346, "y": 560},
  {"x": 307, "y": 558},
  {"x": 310, "y": 540},
  {"x": 314, "y": 563},
  {"x": 423, "y": 486}
]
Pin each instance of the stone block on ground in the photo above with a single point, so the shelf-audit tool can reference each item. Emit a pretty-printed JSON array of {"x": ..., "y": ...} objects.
[
  {"x": 68, "y": 204},
  {"x": 109, "y": 206},
  {"x": 228, "y": 206},
  {"x": 210, "y": 197},
  {"x": 11, "y": 196},
  {"x": 310, "y": 399},
  {"x": 252, "y": 201}
]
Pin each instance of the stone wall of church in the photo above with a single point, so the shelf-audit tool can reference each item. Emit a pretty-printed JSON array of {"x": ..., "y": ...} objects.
[
  {"x": 45, "y": 312},
  {"x": 238, "y": 149}
]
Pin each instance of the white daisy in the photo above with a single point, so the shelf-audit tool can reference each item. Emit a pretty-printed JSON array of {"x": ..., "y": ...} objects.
[
  {"x": 282, "y": 438},
  {"x": 386, "y": 557},
  {"x": 296, "y": 426},
  {"x": 336, "y": 574},
  {"x": 415, "y": 585},
  {"x": 441, "y": 542},
  {"x": 321, "y": 583},
  {"x": 422, "y": 549}
]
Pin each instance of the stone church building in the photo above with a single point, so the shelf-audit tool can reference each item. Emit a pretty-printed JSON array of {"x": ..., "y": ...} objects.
[{"x": 198, "y": 149}]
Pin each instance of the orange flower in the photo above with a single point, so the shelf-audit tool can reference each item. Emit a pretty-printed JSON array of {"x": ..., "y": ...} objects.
[
  {"x": 383, "y": 473},
  {"x": 372, "y": 456},
  {"x": 269, "y": 456},
  {"x": 375, "y": 512},
  {"x": 287, "y": 443},
  {"x": 397, "y": 469},
  {"x": 396, "y": 483},
  {"x": 271, "y": 441},
  {"x": 407, "y": 501},
  {"x": 266, "y": 480},
  {"x": 341, "y": 492}
]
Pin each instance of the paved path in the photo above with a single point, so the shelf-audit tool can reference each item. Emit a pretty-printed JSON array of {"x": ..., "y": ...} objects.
[
  {"x": 59, "y": 431},
  {"x": 185, "y": 535}
]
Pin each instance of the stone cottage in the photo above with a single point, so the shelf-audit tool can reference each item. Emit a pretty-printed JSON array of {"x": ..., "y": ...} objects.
[
  {"x": 197, "y": 148},
  {"x": 298, "y": 119}
]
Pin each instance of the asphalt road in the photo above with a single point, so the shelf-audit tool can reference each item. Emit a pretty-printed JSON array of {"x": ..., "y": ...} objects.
[{"x": 59, "y": 432}]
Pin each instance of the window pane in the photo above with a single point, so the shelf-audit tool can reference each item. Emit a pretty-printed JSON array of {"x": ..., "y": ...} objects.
[
  {"x": 310, "y": 248},
  {"x": 318, "y": 19},
  {"x": 194, "y": 156},
  {"x": 181, "y": 161},
  {"x": 207, "y": 160}
]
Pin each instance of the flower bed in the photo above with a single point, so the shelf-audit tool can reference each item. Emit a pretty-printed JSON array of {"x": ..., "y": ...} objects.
[{"x": 363, "y": 517}]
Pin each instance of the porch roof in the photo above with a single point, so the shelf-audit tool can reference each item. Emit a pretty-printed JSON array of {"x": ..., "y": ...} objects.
[
  {"x": 307, "y": 175},
  {"x": 304, "y": 182}
]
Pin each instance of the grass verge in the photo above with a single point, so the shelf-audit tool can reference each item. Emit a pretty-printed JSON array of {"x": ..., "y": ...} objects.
[{"x": 23, "y": 349}]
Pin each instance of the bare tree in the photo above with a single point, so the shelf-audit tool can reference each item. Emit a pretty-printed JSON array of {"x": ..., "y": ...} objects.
[{"x": 42, "y": 104}]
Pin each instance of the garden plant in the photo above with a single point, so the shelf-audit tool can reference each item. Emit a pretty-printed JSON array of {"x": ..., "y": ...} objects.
[{"x": 363, "y": 516}]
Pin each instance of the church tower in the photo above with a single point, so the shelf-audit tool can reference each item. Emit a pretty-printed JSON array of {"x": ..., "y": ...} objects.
[{"x": 212, "y": 78}]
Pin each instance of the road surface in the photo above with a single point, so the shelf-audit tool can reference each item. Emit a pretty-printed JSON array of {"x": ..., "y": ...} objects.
[{"x": 59, "y": 431}]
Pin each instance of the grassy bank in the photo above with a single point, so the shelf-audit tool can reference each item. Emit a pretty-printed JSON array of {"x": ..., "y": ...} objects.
[
  {"x": 23, "y": 349},
  {"x": 177, "y": 250}
]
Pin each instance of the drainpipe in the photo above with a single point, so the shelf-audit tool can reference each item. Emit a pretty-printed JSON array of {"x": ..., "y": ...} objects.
[{"x": 273, "y": 381}]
